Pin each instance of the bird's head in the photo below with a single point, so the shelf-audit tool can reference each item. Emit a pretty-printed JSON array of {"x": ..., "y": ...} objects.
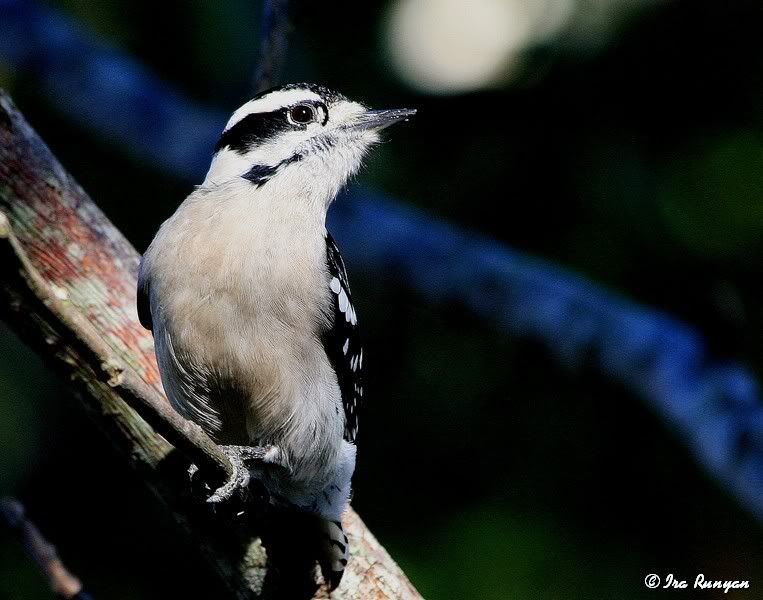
[{"x": 302, "y": 134}]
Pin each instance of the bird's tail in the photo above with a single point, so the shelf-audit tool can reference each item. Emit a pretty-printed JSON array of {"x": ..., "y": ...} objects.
[{"x": 334, "y": 551}]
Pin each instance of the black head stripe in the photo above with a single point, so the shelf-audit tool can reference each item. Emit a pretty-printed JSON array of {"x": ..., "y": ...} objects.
[
  {"x": 258, "y": 128},
  {"x": 254, "y": 129}
]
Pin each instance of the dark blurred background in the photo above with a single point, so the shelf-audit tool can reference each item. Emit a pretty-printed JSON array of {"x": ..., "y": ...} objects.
[{"x": 618, "y": 138}]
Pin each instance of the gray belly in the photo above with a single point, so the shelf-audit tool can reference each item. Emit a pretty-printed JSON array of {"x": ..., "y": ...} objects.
[
  {"x": 200, "y": 392},
  {"x": 265, "y": 383}
]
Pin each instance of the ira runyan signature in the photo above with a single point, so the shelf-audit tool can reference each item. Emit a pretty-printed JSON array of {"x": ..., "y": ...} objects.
[{"x": 700, "y": 583}]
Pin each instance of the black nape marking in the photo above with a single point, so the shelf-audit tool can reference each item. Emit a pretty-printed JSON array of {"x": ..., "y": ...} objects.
[{"x": 260, "y": 174}]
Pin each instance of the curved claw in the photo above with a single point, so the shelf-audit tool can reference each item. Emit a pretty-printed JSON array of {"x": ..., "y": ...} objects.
[
  {"x": 238, "y": 480},
  {"x": 241, "y": 457}
]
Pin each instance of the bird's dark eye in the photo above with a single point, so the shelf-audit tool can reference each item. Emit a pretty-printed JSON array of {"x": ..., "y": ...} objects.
[{"x": 302, "y": 114}]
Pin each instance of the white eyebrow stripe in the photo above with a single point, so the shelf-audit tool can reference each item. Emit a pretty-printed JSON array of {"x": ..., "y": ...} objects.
[{"x": 272, "y": 101}]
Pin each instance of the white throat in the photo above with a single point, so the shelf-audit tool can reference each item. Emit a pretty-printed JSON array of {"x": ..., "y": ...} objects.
[{"x": 314, "y": 177}]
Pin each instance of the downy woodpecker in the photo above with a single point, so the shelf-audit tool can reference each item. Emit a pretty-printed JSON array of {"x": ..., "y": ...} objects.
[{"x": 247, "y": 296}]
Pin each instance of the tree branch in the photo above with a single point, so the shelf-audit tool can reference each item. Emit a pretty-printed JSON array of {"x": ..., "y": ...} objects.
[
  {"x": 85, "y": 339},
  {"x": 274, "y": 33},
  {"x": 716, "y": 407},
  {"x": 68, "y": 286},
  {"x": 65, "y": 585}
]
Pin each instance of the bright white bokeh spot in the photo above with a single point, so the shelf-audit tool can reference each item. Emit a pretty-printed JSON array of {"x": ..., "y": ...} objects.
[{"x": 451, "y": 46}]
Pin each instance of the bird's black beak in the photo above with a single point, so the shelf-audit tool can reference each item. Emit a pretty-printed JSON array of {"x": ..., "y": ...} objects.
[{"x": 379, "y": 119}]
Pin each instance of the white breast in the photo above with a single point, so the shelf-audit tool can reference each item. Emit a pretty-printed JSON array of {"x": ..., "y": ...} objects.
[{"x": 238, "y": 283}]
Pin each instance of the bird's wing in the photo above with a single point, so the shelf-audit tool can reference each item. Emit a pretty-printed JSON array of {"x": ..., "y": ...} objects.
[
  {"x": 342, "y": 340},
  {"x": 144, "y": 303}
]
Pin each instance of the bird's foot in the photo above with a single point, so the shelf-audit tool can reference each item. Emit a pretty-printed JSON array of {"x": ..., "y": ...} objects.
[
  {"x": 334, "y": 551},
  {"x": 242, "y": 459}
]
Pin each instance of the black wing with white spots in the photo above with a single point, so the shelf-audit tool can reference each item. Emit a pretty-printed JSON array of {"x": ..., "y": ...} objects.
[{"x": 342, "y": 340}]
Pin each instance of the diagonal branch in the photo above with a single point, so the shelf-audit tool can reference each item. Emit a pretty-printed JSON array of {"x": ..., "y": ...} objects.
[
  {"x": 68, "y": 286},
  {"x": 65, "y": 585},
  {"x": 84, "y": 337}
]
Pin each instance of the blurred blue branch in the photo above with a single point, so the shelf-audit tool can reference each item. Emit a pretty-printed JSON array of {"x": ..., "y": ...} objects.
[
  {"x": 99, "y": 88},
  {"x": 715, "y": 406},
  {"x": 274, "y": 33}
]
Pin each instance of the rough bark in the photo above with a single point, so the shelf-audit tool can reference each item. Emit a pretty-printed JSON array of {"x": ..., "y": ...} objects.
[{"x": 67, "y": 286}]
